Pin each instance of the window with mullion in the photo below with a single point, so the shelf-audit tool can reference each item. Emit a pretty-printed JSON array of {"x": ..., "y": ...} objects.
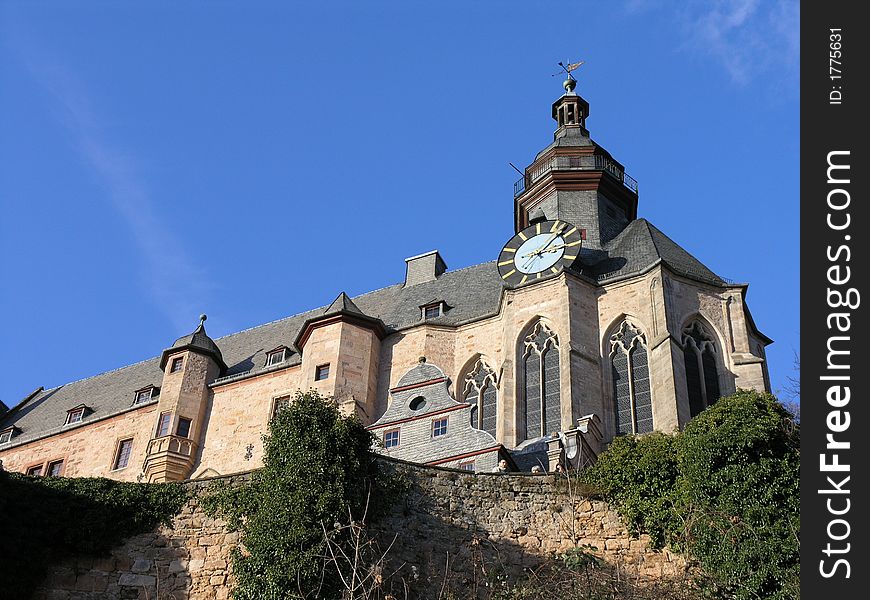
[
  {"x": 632, "y": 393},
  {"x": 702, "y": 371},
  {"x": 481, "y": 393},
  {"x": 163, "y": 424},
  {"x": 541, "y": 393},
  {"x": 122, "y": 458},
  {"x": 391, "y": 438}
]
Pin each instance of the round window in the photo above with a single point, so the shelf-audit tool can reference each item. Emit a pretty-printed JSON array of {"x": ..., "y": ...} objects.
[{"x": 417, "y": 403}]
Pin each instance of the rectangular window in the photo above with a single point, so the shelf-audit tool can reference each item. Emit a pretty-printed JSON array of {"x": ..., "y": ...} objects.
[
  {"x": 432, "y": 311},
  {"x": 177, "y": 363},
  {"x": 163, "y": 424},
  {"x": 391, "y": 438},
  {"x": 55, "y": 468},
  {"x": 280, "y": 404},
  {"x": 75, "y": 416},
  {"x": 35, "y": 471},
  {"x": 183, "y": 427},
  {"x": 275, "y": 357},
  {"x": 5, "y": 436},
  {"x": 439, "y": 427},
  {"x": 322, "y": 372},
  {"x": 467, "y": 466},
  {"x": 122, "y": 456},
  {"x": 143, "y": 396}
]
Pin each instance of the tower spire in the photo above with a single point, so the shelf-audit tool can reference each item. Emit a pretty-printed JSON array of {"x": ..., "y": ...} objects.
[
  {"x": 573, "y": 178},
  {"x": 570, "y": 111}
]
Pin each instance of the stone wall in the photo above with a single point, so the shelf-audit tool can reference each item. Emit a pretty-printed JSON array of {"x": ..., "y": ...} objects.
[{"x": 450, "y": 526}]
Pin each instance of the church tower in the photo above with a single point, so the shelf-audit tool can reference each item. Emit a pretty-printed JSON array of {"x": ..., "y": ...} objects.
[{"x": 576, "y": 180}]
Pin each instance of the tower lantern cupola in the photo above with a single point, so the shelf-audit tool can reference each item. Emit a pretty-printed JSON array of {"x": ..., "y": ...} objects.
[{"x": 571, "y": 110}]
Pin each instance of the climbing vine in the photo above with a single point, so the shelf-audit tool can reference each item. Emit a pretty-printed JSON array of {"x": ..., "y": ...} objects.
[
  {"x": 45, "y": 519},
  {"x": 319, "y": 473}
]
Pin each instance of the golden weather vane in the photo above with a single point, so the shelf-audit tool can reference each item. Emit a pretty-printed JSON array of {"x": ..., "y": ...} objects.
[
  {"x": 568, "y": 68},
  {"x": 570, "y": 83}
]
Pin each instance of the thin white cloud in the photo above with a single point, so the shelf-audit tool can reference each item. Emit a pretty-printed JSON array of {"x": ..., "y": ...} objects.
[
  {"x": 176, "y": 284},
  {"x": 747, "y": 38}
]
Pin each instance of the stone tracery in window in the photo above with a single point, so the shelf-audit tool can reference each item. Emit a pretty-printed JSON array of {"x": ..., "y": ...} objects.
[
  {"x": 541, "y": 414},
  {"x": 702, "y": 374},
  {"x": 632, "y": 394},
  {"x": 481, "y": 393}
]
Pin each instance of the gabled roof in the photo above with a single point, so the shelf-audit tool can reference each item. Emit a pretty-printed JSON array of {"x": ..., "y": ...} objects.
[{"x": 472, "y": 293}]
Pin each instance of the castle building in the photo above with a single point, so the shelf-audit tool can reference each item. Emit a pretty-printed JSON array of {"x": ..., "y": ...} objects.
[{"x": 592, "y": 323}]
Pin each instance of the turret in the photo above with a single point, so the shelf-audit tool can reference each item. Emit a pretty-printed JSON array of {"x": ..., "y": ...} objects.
[
  {"x": 340, "y": 354},
  {"x": 188, "y": 366}
]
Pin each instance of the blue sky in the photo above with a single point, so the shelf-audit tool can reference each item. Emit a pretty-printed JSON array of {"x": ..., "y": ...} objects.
[{"x": 251, "y": 160}]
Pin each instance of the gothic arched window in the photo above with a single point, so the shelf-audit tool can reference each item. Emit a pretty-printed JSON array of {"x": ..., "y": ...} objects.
[
  {"x": 480, "y": 392},
  {"x": 632, "y": 396},
  {"x": 702, "y": 374},
  {"x": 541, "y": 413}
]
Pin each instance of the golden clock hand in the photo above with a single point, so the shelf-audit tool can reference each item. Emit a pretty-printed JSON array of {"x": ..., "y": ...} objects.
[
  {"x": 554, "y": 235},
  {"x": 554, "y": 248},
  {"x": 543, "y": 247}
]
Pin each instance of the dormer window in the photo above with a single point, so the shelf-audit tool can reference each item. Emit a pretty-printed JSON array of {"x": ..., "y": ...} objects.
[
  {"x": 432, "y": 310},
  {"x": 75, "y": 415},
  {"x": 6, "y": 435},
  {"x": 145, "y": 395},
  {"x": 276, "y": 356}
]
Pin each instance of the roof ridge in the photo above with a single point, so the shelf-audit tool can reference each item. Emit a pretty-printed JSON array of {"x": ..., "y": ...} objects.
[
  {"x": 632, "y": 225},
  {"x": 314, "y": 311},
  {"x": 649, "y": 229},
  {"x": 655, "y": 231}
]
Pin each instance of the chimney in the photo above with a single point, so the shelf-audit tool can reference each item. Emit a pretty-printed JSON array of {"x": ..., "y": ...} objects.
[{"x": 423, "y": 268}]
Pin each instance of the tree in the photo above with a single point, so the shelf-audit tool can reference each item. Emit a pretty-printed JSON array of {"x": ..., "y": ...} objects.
[
  {"x": 725, "y": 489},
  {"x": 318, "y": 471}
]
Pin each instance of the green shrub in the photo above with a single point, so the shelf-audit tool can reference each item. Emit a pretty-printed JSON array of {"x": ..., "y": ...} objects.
[
  {"x": 639, "y": 474},
  {"x": 725, "y": 489},
  {"x": 45, "y": 519},
  {"x": 739, "y": 464},
  {"x": 318, "y": 471}
]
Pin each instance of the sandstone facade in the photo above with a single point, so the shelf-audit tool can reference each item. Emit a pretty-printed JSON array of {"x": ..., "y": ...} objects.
[{"x": 692, "y": 339}]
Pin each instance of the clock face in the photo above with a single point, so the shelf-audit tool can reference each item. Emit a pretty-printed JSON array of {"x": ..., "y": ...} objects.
[{"x": 538, "y": 251}]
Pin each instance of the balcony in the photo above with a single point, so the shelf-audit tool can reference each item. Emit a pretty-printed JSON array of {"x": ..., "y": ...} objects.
[
  {"x": 169, "y": 458},
  {"x": 575, "y": 163}
]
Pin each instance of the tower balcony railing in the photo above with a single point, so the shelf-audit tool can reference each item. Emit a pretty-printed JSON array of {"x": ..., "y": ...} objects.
[
  {"x": 595, "y": 162},
  {"x": 171, "y": 444}
]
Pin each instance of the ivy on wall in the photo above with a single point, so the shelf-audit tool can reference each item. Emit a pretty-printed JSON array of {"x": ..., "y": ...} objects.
[
  {"x": 319, "y": 473},
  {"x": 45, "y": 519},
  {"x": 725, "y": 489}
]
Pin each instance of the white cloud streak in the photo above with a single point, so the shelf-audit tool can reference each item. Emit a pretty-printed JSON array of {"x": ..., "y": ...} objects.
[
  {"x": 750, "y": 39},
  {"x": 177, "y": 285}
]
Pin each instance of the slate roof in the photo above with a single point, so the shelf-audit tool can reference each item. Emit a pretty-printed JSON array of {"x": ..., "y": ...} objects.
[
  {"x": 198, "y": 340},
  {"x": 470, "y": 294},
  {"x": 639, "y": 246},
  {"x": 342, "y": 304},
  {"x": 422, "y": 373}
]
